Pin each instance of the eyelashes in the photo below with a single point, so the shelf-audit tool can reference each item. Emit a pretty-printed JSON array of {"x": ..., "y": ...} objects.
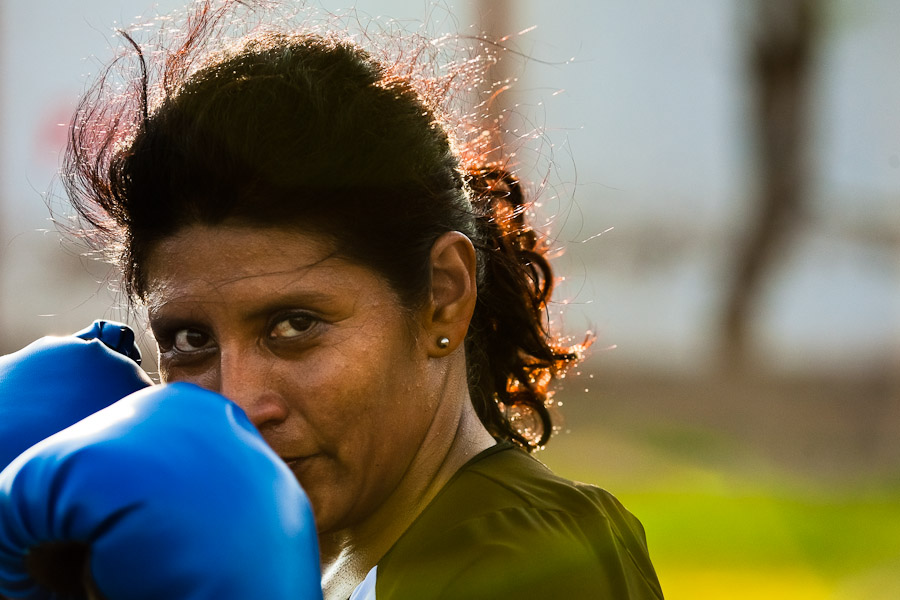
[
  {"x": 191, "y": 340},
  {"x": 293, "y": 326},
  {"x": 185, "y": 340}
]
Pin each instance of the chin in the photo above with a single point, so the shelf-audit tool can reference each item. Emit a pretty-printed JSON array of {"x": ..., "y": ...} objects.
[{"x": 322, "y": 498}]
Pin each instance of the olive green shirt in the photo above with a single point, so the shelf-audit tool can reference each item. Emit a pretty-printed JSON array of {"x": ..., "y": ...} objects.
[{"x": 505, "y": 526}]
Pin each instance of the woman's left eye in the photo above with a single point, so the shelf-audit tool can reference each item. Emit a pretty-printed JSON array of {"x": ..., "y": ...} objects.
[{"x": 293, "y": 326}]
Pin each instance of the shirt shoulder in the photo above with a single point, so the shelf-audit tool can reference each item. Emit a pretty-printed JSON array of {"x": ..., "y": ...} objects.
[{"x": 505, "y": 524}]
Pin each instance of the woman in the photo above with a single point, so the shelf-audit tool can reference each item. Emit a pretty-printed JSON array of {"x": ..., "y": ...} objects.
[{"x": 313, "y": 240}]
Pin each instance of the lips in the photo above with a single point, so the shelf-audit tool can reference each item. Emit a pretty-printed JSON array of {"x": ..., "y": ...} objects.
[{"x": 298, "y": 463}]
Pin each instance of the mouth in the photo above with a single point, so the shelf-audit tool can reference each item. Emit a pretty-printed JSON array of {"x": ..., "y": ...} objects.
[{"x": 297, "y": 463}]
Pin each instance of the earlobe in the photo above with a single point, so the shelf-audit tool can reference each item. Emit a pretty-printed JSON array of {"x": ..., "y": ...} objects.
[{"x": 453, "y": 292}]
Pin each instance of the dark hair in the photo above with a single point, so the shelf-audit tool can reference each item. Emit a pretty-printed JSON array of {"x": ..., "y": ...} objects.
[{"x": 309, "y": 130}]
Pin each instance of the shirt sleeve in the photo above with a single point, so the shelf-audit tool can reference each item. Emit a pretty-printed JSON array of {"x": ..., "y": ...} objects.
[{"x": 529, "y": 553}]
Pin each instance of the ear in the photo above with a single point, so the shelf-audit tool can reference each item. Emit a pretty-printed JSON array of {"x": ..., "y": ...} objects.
[{"x": 453, "y": 292}]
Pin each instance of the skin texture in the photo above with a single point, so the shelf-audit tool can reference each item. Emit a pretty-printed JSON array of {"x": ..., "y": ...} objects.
[{"x": 346, "y": 384}]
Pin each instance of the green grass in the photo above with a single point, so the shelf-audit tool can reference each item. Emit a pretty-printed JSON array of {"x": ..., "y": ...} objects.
[
  {"x": 813, "y": 547},
  {"x": 768, "y": 528},
  {"x": 732, "y": 528}
]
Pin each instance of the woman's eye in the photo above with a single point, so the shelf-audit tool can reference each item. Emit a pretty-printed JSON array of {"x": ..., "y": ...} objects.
[
  {"x": 190, "y": 340},
  {"x": 293, "y": 326}
]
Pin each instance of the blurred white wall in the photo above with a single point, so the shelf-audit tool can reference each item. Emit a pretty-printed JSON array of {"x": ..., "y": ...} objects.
[{"x": 645, "y": 111}]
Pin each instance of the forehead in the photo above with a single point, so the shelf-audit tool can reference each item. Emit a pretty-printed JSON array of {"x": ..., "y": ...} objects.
[{"x": 232, "y": 261}]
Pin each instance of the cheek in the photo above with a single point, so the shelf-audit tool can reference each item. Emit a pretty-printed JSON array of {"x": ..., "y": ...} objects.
[
  {"x": 328, "y": 388},
  {"x": 360, "y": 405},
  {"x": 364, "y": 405},
  {"x": 205, "y": 375}
]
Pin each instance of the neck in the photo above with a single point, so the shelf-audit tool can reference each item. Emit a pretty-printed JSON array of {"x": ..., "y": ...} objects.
[{"x": 348, "y": 555}]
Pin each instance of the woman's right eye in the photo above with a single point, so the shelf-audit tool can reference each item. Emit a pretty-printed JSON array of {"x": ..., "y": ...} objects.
[{"x": 190, "y": 340}]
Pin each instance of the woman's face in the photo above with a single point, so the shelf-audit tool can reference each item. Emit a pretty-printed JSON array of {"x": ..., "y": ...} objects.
[{"x": 316, "y": 349}]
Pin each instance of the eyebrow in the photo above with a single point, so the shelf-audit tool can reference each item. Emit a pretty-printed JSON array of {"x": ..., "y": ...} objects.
[
  {"x": 286, "y": 302},
  {"x": 162, "y": 313}
]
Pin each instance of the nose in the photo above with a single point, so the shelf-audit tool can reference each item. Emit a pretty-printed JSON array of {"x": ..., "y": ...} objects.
[{"x": 246, "y": 379}]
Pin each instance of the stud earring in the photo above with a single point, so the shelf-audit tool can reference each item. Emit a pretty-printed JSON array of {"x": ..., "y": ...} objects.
[{"x": 443, "y": 342}]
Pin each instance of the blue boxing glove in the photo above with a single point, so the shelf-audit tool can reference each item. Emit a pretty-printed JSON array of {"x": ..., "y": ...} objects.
[
  {"x": 57, "y": 381},
  {"x": 170, "y": 493},
  {"x": 114, "y": 335}
]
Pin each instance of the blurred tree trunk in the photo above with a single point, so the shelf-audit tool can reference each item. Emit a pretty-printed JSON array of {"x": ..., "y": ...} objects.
[
  {"x": 4, "y": 216},
  {"x": 495, "y": 20},
  {"x": 781, "y": 61}
]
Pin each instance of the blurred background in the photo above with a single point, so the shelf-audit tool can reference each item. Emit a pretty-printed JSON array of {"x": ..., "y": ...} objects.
[{"x": 724, "y": 176}]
